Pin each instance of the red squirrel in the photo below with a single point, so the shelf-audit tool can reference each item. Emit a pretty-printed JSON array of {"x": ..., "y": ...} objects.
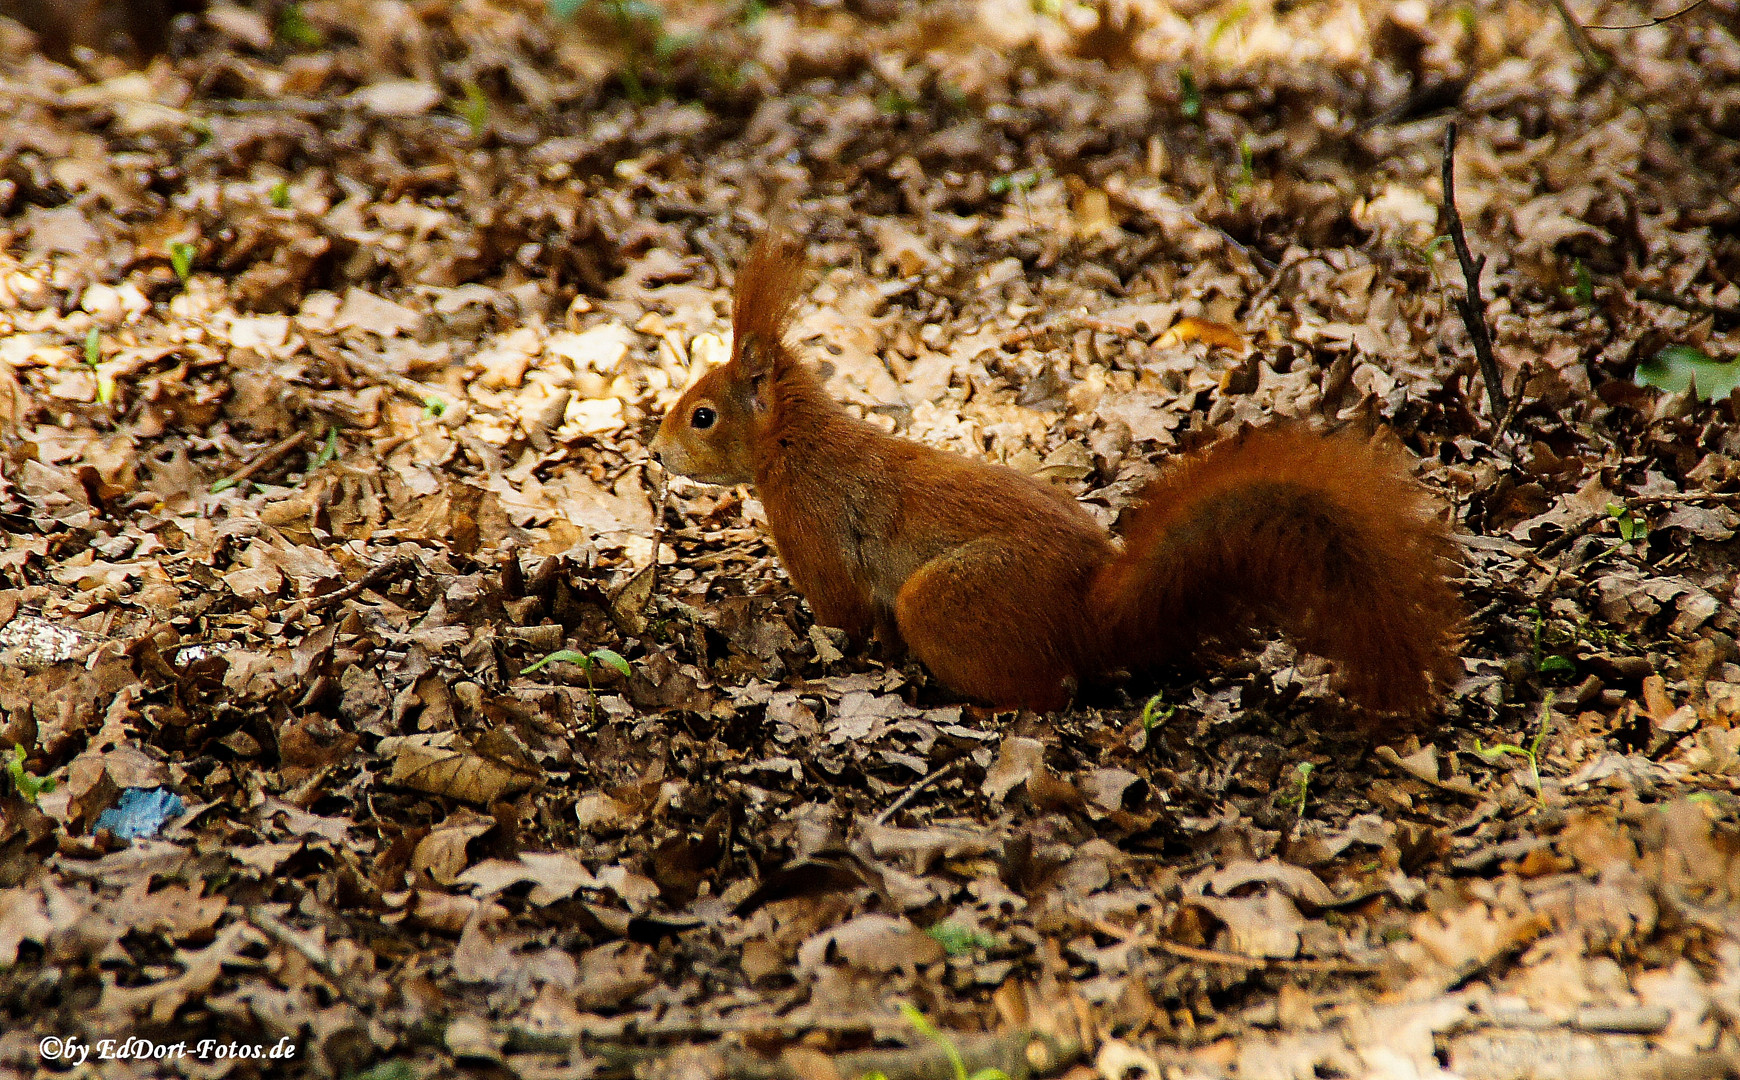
[{"x": 1008, "y": 590}]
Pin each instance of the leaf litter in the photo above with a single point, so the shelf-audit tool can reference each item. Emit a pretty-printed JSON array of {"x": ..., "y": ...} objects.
[{"x": 331, "y": 336}]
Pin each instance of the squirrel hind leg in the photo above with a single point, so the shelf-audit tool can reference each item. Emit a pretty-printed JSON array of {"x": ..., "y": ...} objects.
[{"x": 981, "y": 617}]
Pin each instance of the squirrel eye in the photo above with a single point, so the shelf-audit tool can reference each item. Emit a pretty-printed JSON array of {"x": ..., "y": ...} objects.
[{"x": 703, "y": 418}]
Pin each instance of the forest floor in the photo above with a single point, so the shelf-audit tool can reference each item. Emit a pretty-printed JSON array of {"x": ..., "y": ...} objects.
[{"x": 331, "y": 340}]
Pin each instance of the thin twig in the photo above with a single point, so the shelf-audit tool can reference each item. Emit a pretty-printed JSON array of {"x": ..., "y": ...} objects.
[
  {"x": 262, "y": 460},
  {"x": 1472, "y": 308},
  {"x": 311, "y": 951},
  {"x": 1215, "y": 956},
  {"x": 420, "y": 392},
  {"x": 1684, "y": 497},
  {"x": 910, "y": 793},
  {"x": 1598, "y": 61},
  {"x": 1724, "y": 312},
  {"x": 659, "y": 508},
  {"x": 390, "y": 568},
  {"x": 1523, "y": 373},
  {"x": 1656, "y": 21}
]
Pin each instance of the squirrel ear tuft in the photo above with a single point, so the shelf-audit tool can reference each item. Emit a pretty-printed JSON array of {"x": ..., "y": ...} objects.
[{"x": 766, "y": 297}]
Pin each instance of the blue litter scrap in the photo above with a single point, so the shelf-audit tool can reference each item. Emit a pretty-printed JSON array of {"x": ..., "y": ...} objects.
[{"x": 142, "y": 812}]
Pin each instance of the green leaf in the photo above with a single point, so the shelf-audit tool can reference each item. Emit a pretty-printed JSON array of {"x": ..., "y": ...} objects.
[
  {"x": 397, "y": 1069},
  {"x": 1629, "y": 526},
  {"x": 1498, "y": 750},
  {"x": 1237, "y": 15},
  {"x": 327, "y": 452},
  {"x": 560, "y": 656},
  {"x": 280, "y": 194},
  {"x": 181, "y": 258},
  {"x": 93, "y": 346},
  {"x": 1584, "y": 290},
  {"x": 223, "y": 485},
  {"x": 1681, "y": 367},
  {"x": 22, "y": 782},
  {"x": 474, "y": 110},
  {"x": 612, "y": 661},
  {"x": 1558, "y": 665},
  {"x": 958, "y": 940},
  {"x": 893, "y": 102},
  {"x": 1189, "y": 97},
  {"x": 295, "y": 29},
  {"x": 434, "y": 407}
]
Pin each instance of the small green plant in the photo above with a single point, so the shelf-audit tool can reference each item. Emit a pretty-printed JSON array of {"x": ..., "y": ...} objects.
[
  {"x": 181, "y": 259},
  {"x": 1155, "y": 713},
  {"x": 586, "y": 661},
  {"x": 1299, "y": 794},
  {"x": 474, "y": 110},
  {"x": 1557, "y": 665},
  {"x": 434, "y": 408},
  {"x": 1583, "y": 288},
  {"x": 295, "y": 30},
  {"x": 752, "y": 12},
  {"x": 1189, "y": 97},
  {"x": 1544, "y": 634},
  {"x": 1680, "y": 367},
  {"x": 279, "y": 195},
  {"x": 1631, "y": 528},
  {"x": 28, "y": 786},
  {"x": 635, "y": 21},
  {"x": 1531, "y": 753},
  {"x": 1242, "y": 183},
  {"x": 894, "y": 103},
  {"x": 94, "y": 360},
  {"x": 1023, "y": 181},
  {"x": 397, "y": 1069},
  {"x": 328, "y": 451},
  {"x": 958, "y": 940},
  {"x": 1228, "y": 22},
  {"x": 921, "y": 1024}
]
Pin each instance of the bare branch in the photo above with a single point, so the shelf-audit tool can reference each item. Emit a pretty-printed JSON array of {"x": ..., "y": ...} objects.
[
  {"x": 1656, "y": 21},
  {"x": 1471, "y": 306}
]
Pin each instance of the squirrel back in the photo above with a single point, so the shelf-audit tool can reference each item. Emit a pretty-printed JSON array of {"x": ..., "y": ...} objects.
[{"x": 1010, "y": 592}]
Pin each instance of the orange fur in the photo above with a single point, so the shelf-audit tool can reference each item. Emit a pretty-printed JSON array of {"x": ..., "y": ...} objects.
[{"x": 1010, "y": 592}]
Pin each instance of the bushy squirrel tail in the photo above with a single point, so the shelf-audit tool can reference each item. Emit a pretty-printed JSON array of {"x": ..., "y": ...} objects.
[{"x": 1326, "y": 537}]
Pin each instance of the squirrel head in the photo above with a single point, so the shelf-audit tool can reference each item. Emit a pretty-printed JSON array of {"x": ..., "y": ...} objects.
[{"x": 714, "y": 431}]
